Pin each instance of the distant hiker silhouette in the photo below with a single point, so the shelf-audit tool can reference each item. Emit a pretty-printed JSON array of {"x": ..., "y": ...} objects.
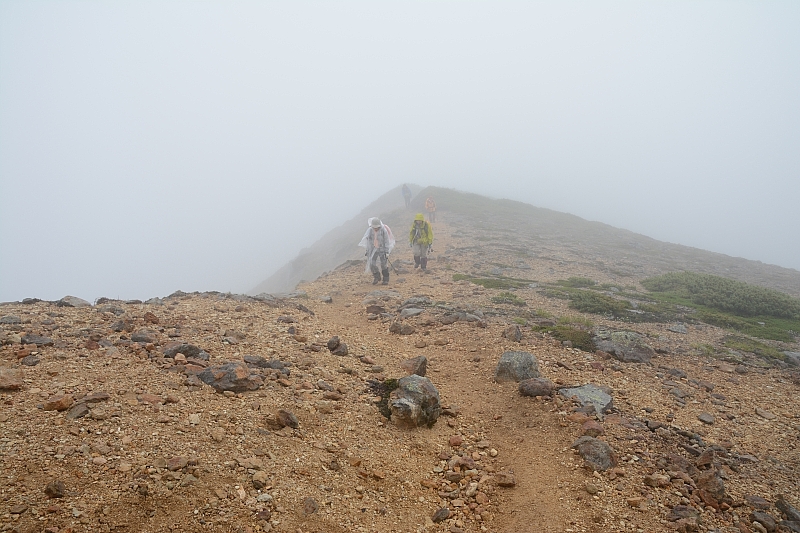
[
  {"x": 379, "y": 242},
  {"x": 430, "y": 207},
  {"x": 407, "y": 195}
]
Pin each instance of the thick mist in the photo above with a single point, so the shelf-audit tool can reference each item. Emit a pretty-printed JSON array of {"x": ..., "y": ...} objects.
[{"x": 147, "y": 147}]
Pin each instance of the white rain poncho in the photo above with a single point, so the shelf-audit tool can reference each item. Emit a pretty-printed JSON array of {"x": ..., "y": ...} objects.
[{"x": 381, "y": 241}]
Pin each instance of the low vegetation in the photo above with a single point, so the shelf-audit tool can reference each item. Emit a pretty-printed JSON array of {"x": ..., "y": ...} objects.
[
  {"x": 501, "y": 283},
  {"x": 509, "y": 298}
]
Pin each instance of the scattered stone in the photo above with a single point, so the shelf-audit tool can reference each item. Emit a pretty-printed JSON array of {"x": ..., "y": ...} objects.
[
  {"x": 678, "y": 328},
  {"x": 10, "y": 319},
  {"x": 10, "y": 379},
  {"x": 765, "y": 414},
  {"x": 516, "y": 366},
  {"x": 597, "y": 453},
  {"x": 505, "y": 479},
  {"x": 592, "y": 428},
  {"x": 757, "y": 502},
  {"x": 414, "y": 403},
  {"x": 188, "y": 350},
  {"x": 765, "y": 519},
  {"x": 55, "y": 489},
  {"x": 310, "y": 506},
  {"x": 177, "y": 463},
  {"x": 706, "y": 418},
  {"x": 58, "y": 402},
  {"x": 287, "y": 419},
  {"x": 591, "y": 395},
  {"x": 417, "y": 365},
  {"x": 235, "y": 377},
  {"x": 512, "y": 333},
  {"x": 30, "y": 360},
  {"x": 792, "y": 514},
  {"x": 79, "y": 410},
  {"x": 38, "y": 340},
  {"x": 401, "y": 329},
  {"x": 410, "y": 311},
  {"x": 18, "y": 509},
  {"x": 536, "y": 387},
  {"x": 441, "y": 515},
  {"x": 145, "y": 336}
]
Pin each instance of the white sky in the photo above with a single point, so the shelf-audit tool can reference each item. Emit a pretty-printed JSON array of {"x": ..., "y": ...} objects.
[{"x": 147, "y": 147}]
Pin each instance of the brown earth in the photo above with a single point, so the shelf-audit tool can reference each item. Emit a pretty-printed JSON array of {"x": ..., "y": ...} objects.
[{"x": 165, "y": 453}]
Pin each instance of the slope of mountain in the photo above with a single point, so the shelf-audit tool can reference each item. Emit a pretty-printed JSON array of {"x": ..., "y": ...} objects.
[{"x": 495, "y": 224}]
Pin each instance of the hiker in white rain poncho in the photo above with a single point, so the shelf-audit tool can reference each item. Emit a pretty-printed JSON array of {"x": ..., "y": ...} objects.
[{"x": 379, "y": 242}]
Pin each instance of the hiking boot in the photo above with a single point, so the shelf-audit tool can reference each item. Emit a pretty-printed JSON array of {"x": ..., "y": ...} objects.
[
  {"x": 376, "y": 278},
  {"x": 385, "y": 277},
  {"x": 424, "y": 263},
  {"x": 416, "y": 261}
]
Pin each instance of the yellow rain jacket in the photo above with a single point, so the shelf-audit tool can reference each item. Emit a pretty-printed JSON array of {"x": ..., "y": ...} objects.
[{"x": 420, "y": 234}]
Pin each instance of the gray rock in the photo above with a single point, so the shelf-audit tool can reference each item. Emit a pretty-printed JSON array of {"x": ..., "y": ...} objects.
[
  {"x": 416, "y": 300},
  {"x": 55, "y": 489},
  {"x": 626, "y": 346},
  {"x": 440, "y": 515},
  {"x": 384, "y": 295},
  {"x": 189, "y": 350},
  {"x": 38, "y": 340},
  {"x": 113, "y": 309},
  {"x": 591, "y": 394},
  {"x": 597, "y": 453},
  {"x": 402, "y": 329},
  {"x": 410, "y": 311},
  {"x": 414, "y": 403},
  {"x": 30, "y": 360},
  {"x": 145, "y": 336},
  {"x": 417, "y": 365},
  {"x": 234, "y": 377},
  {"x": 512, "y": 333},
  {"x": 333, "y": 343},
  {"x": 287, "y": 418},
  {"x": 791, "y": 512},
  {"x": 765, "y": 519},
  {"x": 793, "y": 358},
  {"x": 516, "y": 366},
  {"x": 677, "y": 328},
  {"x": 711, "y": 482},
  {"x": 79, "y": 410},
  {"x": 326, "y": 299},
  {"x": 72, "y": 301},
  {"x": 536, "y": 387},
  {"x": 257, "y": 361},
  {"x": 10, "y": 319},
  {"x": 706, "y": 418}
]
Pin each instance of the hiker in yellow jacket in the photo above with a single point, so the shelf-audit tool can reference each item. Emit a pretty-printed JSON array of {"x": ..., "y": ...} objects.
[{"x": 420, "y": 238}]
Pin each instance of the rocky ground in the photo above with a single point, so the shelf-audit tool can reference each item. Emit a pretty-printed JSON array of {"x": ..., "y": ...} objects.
[{"x": 107, "y": 422}]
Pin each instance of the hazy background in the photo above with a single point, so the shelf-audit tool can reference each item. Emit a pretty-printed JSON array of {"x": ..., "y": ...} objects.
[{"x": 147, "y": 147}]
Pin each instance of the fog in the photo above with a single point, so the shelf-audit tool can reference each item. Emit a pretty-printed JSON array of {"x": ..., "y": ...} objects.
[{"x": 147, "y": 147}]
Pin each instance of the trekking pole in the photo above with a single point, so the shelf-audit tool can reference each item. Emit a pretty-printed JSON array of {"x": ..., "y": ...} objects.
[{"x": 392, "y": 265}]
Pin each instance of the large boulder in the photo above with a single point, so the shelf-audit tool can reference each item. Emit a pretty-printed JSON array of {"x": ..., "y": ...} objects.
[
  {"x": 597, "y": 454},
  {"x": 72, "y": 301},
  {"x": 234, "y": 377},
  {"x": 626, "y": 346},
  {"x": 414, "y": 403},
  {"x": 516, "y": 366},
  {"x": 590, "y": 395}
]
